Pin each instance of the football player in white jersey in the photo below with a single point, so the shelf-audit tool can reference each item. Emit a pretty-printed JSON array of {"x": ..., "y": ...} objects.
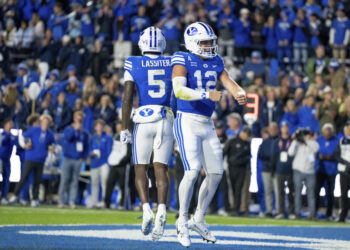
[
  {"x": 195, "y": 76},
  {"x": 150, "y": 75}
]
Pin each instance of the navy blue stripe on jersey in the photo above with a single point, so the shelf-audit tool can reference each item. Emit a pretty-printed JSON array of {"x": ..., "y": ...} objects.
[
  {"x": 183, "y": 144},
  {"x": 205, "y": 27},
  {"x": 179, "y": 138},
  {"x": 150, "y": 38},
  {"x": 210, "y": 28},
  {"x": 155, "y": 37}
]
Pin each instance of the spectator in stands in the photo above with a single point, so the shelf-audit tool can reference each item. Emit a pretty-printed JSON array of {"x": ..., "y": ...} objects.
[
  {"x": 242, "y": 30},
  {"x": 44, "y": 9},
  {"x": 256, "y": 33},
  {"x": 99, "y": 59},
  {"x": 100, "y": 148},
  {"x": 304, "y": 149},
  {"x": 266, "y": 155},
  {"x": 37, "y": 141},
  {"x": 38, "y": 28},
  {"x": 89, "y": 107},
  {"x": 118, "y": 159},
  {"x": 283, "y": 172},
  {"x": 75, "y": 151},
  {"x": 274, "y": 8},
  {"x": 269, "y": 32},
  {"x": 20, "y": 114},
  {"x": 10, "y": 33},
  {"x": 306, "y": 115},
  {"x": 105, "y": 110},
  {"x": 138, "y": 24},
  {"x": 72, "y": 90},
  {"x": 317, "y": 65},
  {"x": 90, "y": 87},
  {"x": 87, "y": 25},
  {"x": 271, "y": 109},
  {"x": 284, "y": 38},
  {"x": 153, "y": 11},
  {"x": 291, "y": 116},
  {"x": 61, "y": 113},
  {"x": 327, "y": 110},
  {"x": 170, "y": 25},
  {"x": 79, "y": 56},
  {"x": 344, "y": 114},
  {"x": 6, "y": 144},
  {"x": 105, "y": 20},
  {"x": 48, "y": 49},
  {"x": 326, "y": 167},
  {"x": 253, "y": 68},
  {"x": 58, "y": 22},
  {"x": 3, "y": 81},
  {"x": 337, "y": 75},
  {"x": 315, "y": 28},
  {"x": 300, "y": 39},
  {"x": 237, "y": 151},
  {"x": 311, "y": 7},
  {"x": 339, "y": 35},
  {"x": 74, "y": 21},
  {"x": 64, "y": 52},
  {"x": 234, "y": 124},
  {"x": 226, "y": 27},
  {"x": 191, "y": 16},
  {"x": 343, "y": 158},
  {"x": 24, "y": 37}
]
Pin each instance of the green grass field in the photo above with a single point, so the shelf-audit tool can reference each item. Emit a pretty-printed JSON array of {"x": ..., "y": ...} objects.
[{"x": 51, "y": 215}]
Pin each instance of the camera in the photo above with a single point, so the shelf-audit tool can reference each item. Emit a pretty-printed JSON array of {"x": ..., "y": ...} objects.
[{"x": 300, "y": 134}]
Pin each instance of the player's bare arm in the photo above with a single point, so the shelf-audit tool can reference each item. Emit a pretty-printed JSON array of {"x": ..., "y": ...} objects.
[
  {"x": 179, "y": 78},
  {"x": 127, "y": 103},
  {"x": 233, "y": 87}
]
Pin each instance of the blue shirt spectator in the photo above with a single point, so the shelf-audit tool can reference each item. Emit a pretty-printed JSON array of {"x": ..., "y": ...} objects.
[
  {"x": 139, "y": 23},
  {"x": 58, "y": 22},
  {"x": 269, "y": 32},
  {"x": 339, "y": 33},
  {"x": 75, "y": 143},
  {"x": 311, "y": 7},
  {"x": 40, "y": 140},
  {"x": 242, "y": 28},
  {"x": 306, "y": 115},
  {"x": 326, "y": 162}
]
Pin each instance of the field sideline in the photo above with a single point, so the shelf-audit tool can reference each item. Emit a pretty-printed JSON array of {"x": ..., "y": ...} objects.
[{"x": 51, "y": 215}]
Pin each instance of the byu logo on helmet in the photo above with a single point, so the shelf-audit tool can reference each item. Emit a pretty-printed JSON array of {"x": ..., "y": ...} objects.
[
  {"x": 192, "y": 31},
  {"x": 146, "y": 112}
]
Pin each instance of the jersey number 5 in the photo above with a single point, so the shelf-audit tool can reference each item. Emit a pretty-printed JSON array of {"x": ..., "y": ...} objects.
[
  {"x": 209, "y": 84},
  {"x": 160, "y": 83}
]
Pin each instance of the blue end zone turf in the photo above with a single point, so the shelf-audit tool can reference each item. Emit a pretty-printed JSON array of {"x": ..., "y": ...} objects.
[{"x": 130, "y": 237}]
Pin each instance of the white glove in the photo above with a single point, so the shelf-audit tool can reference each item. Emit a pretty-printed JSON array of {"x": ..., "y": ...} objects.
[{"x": 125, "y": 136}]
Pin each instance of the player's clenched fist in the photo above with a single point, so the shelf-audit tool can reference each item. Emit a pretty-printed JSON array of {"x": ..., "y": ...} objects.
[
  {"x": 215, "y": 96},
  {"x": 241, "y": 97}
]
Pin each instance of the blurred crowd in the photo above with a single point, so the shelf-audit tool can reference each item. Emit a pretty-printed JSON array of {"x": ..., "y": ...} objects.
[{"x": 292, "y": 54}]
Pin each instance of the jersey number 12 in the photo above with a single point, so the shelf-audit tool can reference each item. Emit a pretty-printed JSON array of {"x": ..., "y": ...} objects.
[{"x": 210, "y": 84}]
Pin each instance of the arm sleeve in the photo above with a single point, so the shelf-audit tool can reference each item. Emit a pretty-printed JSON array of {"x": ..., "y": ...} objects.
[
  {"x": 69, "y": 134},
  {"x": 28, "y": 133},
  {"x": 292, "y": 149},
  {"x": 185, "y": 93}
]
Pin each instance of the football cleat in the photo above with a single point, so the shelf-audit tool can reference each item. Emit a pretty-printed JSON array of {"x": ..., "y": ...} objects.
[
  {"x": 183, "y": 235},
  {"x": 159, "y": 225},
  {"x": 202, "y": 229},
  {"x": 147, "y": 222}
]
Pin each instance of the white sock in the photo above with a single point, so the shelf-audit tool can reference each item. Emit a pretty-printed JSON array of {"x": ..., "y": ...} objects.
[
  {"x": 185, "y": 193},
  {"x": 146, "y": 207},
  {"x": 161, "y": 208},
  {"x": 206, "y": 194}
]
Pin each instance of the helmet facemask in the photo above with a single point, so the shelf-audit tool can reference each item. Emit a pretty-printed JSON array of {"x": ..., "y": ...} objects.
[{"x": 207, "y": 48}]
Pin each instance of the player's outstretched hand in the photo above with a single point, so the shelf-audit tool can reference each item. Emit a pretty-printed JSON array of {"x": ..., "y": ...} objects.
[
  {"x": 241, "y": 97},
  {"x": 125, "y": 136},
  {"x": 215, "y": 96}
]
